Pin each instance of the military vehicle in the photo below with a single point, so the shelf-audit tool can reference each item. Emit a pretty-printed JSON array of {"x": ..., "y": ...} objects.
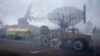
[
  {"x": 76, "y": 40},
  {"x": 66, "y": 17},
  {"x": 14, "y": 32},
  {"x": 72, "y": 39}
]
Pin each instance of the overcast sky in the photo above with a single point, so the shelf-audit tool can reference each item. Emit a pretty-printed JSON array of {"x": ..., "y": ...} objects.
[{"x": 11, "y": 10}]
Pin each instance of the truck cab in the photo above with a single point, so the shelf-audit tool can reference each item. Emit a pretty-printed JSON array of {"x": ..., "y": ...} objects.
[{"x": 76, "y": 40}]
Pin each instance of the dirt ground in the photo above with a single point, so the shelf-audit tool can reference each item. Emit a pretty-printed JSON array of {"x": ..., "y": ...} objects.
[
  {"x": 23, "y": 48},
  {"x": 51, "y": 52}
]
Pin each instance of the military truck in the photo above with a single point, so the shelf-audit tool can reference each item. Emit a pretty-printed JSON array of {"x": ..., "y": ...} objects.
[
  {"x": 72, "y": 39},
  {"x": 76, "y": 40},
  {"x": 14, "y": 32}
]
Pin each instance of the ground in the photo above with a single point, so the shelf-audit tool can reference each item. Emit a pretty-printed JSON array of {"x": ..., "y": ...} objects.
[
  {"x": 51, "y": 52},
  {"x": 31, "y": 48}
]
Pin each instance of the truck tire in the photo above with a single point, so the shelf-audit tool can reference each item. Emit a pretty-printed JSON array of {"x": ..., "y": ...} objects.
[
  {"x": 45, "y": 43},
  {"x": 80, "y": 45}
]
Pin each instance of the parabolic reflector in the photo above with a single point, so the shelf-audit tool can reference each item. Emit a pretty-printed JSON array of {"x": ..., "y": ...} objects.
[{"x": 70, "y": 15}]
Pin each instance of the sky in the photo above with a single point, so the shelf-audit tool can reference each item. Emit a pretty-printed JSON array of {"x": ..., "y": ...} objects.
[{"x": 12, "y": 10}]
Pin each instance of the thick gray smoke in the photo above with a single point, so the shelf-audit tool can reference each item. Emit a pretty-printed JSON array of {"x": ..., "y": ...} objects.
[{"x": 11, "y": 10}]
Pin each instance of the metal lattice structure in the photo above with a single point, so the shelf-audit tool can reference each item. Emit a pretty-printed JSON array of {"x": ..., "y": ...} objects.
[{"x": 69, "y": 15}]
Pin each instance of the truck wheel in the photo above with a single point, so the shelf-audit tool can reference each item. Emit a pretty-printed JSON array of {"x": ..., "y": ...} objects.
[
  {"x": 80, "y": 45},
  {"x": 46, "y": 43}
]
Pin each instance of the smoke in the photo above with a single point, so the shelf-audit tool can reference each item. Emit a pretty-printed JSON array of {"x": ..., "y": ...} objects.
[
  {"x": 93, "y": 11},
  {"x": 11, "y": 10}
]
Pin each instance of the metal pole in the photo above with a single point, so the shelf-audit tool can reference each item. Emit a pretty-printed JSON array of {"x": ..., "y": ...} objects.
[
  {"x": 94, "y": 40},
  {"x": 94, "y": 47},
  {"x": 84, "y": 13}
]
